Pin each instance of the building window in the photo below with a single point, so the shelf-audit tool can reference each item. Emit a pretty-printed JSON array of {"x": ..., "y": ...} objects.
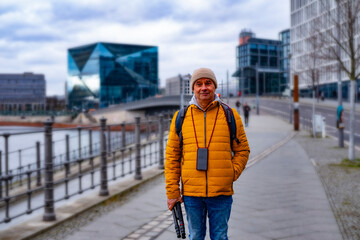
[
  {"x": 273, "y": 61},
  {"x": 253, "y": 48},
  {"x": 264, "y": 61},
  {"x": 272, "y": 50},
  {"x": 263, "y": 49},
  {"x": 253, "y": 60}
]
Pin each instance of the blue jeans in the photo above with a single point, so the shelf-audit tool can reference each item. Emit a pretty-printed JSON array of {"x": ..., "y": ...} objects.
[{"x": 218, "y": 209}]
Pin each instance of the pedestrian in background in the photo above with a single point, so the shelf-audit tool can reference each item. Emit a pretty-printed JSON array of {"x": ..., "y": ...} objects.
[
  {"x": 206, "y": 190},
  {"x": 238, "y": 106},
  {"x": 246, "y": 110}
]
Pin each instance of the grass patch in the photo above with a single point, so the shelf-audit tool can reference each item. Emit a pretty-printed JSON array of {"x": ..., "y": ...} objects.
[
  {"x": 337, "y": 147},
  {"x": 348, "y": 163}
]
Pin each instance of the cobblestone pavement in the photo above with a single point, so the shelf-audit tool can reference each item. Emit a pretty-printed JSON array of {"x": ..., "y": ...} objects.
[
  {"x": 114, "y": 219},
  {"x": 342, "y": 184}
]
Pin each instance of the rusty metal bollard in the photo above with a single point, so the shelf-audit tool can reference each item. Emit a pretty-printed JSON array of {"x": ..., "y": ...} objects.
[
  {"x": 138, "y": 175},
  {"x": 49, "y": 214},
  {"x": 103, "y": 171}
]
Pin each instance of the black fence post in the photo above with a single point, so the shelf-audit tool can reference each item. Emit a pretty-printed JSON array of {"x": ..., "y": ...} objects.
[
  {"x": 7, "y": 179},
  {"x": 161, "y": 142},
  {"x": 67, "y": 154},
  {"x": 20, "y": 168},
  {"x": 49, "y": 214},
  {"x": 38, "y": 165},
  {"x": 123, "y": 135},
  {"x": 79, "y": 134},
  {"x": 138, "y": 175},
  {"x": 103, "y": 171},
  {"x": 90, "y": 143},
  {"x": 109, "y": 140},
  {"x": 148, "y": 122}
]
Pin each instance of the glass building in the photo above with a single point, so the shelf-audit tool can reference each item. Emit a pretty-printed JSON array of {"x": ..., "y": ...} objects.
[
  {"x": 261, "y": 56},
  {"x": 285, "y": 55},
  {"x": 102, "y": 74}
]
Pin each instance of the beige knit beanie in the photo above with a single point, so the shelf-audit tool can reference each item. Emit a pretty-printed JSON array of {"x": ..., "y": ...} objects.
[{"x": 202, "y": 73}]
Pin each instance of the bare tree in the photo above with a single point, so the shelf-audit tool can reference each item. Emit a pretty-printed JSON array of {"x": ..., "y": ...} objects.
[
  {"x": 310, "y": 61},
  {"x": 341, "y": 18},
  {"x": 313, "y": 72}
]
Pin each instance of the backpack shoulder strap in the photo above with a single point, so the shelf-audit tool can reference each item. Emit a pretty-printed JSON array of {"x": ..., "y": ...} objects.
[
  {"x": 180, "y": 119},
  {"x": 178, "y": 125},
  {"x": 231, "y": 123}
]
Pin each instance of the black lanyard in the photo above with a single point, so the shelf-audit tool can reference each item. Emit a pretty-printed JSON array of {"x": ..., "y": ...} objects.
[{"x": 192, "y": 116}]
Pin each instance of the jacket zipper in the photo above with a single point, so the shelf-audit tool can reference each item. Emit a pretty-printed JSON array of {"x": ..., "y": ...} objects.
[
  {"x": 208, "y": 153},
  {"x": 181, "y": 178}
]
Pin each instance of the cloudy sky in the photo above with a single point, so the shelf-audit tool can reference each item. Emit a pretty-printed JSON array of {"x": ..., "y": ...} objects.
[{"x": 35, "y": 34}]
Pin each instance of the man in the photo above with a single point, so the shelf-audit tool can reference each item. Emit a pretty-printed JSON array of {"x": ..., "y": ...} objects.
[
  {"x": 247, "y": 110},
  {"x": 206, "y": 135},
  {"x": 238, "y": 105}
]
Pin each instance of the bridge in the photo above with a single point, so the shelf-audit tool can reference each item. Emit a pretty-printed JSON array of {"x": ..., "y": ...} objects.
[
  {"x": 144, "y": 108},
  {"x": 149, "y": 105}
]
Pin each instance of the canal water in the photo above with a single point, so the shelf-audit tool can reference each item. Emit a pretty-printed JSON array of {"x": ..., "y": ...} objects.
[{"x": 22, "y": 148}]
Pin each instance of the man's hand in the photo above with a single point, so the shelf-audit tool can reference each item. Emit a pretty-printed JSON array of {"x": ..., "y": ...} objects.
[{"x": 171, "y": 202}]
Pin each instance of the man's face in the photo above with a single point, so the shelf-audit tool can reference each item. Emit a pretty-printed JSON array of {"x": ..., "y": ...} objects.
[{"x": 204, "y": 90}]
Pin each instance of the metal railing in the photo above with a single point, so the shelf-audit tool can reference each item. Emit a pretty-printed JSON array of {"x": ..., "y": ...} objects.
[{"x": 117, "y": 151}]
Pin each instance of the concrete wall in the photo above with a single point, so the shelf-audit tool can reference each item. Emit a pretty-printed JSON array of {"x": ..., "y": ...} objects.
[
  {"x": 33, "y": 119},
  {"x": 117, "y": 117}
]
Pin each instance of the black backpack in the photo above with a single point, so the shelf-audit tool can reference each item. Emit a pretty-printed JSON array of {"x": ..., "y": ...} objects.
[{"x": 229, "y": 118}]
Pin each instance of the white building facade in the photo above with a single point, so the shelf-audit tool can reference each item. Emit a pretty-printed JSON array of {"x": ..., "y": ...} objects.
[
  {"x": 173, "y": 85},
  {"x": 309, "y": 17}
]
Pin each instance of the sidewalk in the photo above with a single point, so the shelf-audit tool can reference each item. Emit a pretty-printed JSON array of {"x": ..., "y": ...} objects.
[{"x": 279, "y": 197}]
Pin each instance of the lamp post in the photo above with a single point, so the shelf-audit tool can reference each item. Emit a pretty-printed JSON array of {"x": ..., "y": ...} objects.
[
  {"x": 257, "y": 88},
  {"x": 227, "y": 84},
  {"x": 242, "y": 86},
  {"x": 296, "y": 103},
  {"x": 181, "y": 91},
  {"x": 340, "y": 128},
  {"x": 289, "y": 83}
]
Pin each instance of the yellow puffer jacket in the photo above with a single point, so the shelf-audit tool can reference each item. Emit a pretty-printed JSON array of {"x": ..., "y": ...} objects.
[{"x": 223, "y": 168}]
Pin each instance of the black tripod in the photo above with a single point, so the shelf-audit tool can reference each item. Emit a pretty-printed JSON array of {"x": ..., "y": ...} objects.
[{"x": 178, "y": 221}]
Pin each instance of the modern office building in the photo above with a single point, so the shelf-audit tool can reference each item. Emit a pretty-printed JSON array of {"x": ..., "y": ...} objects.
[
  {"x": 173, "y": 85},
  {"x": 259, "y": 58},
  {"x": 305, "y": 15},
  {"x": 285, "y": 55},
  {"x": 22, "y": 92},
  {"x": 103, "y": 74}
]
